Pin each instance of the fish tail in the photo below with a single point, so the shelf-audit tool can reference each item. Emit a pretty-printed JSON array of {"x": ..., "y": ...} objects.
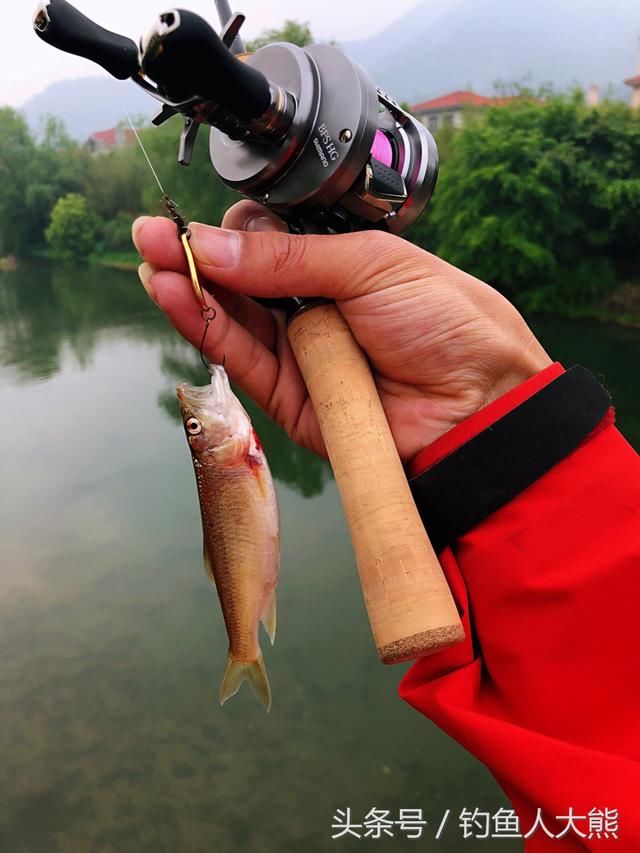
[
  {"x": 269, "y": 618},
  {"x": 254, "y": 672}
]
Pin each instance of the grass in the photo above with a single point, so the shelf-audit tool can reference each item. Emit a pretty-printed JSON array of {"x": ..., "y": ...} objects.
[
  {"x": 124, "y": 260},
  {"x": 118, "y": 260},
  {"x": 603, "y": 316}
]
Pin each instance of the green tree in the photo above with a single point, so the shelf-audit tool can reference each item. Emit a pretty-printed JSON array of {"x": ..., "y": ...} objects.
[
  {"x": 116, "y": 233},
  {"x": 115, "y": 181},
  {"x": 72, "y": 230},
  {"x": 291, "y": 31},
  {"x": 33, "y": 175},
  {"x": 58, "y": 166},
  {"x": 16, "y": 155},
  {"x": 424, "y": 232},
  {"x": 542, "y": 199}
]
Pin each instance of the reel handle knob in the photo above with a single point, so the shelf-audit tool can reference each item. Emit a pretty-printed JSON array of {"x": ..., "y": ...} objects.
[
  {"x": 185, "y": 57},
  {"x": 61, "y": 25}
]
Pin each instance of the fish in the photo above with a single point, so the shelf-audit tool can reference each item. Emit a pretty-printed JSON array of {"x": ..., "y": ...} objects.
[{"x": 240, "y": 525}]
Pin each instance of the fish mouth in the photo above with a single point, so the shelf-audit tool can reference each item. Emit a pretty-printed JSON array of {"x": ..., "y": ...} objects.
[
  {"x": 192, "y": 395},
  {"x": 218, "y": 390}
]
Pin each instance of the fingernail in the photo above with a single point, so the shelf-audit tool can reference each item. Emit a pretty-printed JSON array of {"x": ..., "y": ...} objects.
[
  {"x": 263, "y": 223},
  {"x": 215, "y": 247},
  {"x": 145, "y": 272},
  {"x": 136, "y": 228}
]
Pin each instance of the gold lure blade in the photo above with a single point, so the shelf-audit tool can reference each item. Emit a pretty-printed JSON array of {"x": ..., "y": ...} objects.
[{"x": 193, "y": 272}]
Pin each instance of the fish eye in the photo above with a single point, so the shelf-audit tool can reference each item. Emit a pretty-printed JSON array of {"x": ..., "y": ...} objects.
[{"x": 193, "y": 426}]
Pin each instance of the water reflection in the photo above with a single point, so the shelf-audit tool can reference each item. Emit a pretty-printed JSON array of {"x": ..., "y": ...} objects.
[
  {"x": 112, "y": 641},
  {"x": 46, "y": 308},
  {"x": 113, "y": 644}
]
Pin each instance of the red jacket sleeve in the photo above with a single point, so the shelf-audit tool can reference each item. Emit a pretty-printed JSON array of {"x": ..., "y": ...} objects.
[{"x": 546, "y": 691}]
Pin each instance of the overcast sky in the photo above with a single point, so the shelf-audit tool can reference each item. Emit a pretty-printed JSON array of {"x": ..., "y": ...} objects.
[{"x": 27, "y": 65}]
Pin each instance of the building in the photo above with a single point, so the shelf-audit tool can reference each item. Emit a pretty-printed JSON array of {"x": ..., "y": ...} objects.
[
  {"x": 592, "y": 96},
  {"x": 450, "y": 110},
  {"x": 107, "y": 140},
  {"x": 634, "y": 82}
]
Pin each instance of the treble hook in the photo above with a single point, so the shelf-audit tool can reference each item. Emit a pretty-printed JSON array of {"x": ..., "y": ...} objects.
[{"x": 207, "y": 312}]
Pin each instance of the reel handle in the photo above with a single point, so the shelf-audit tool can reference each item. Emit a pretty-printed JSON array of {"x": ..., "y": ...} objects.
[
  {"x": 61, "y": 25},
  {"x": 186, "y": 57},
  {"x": 411, "y": 610}
]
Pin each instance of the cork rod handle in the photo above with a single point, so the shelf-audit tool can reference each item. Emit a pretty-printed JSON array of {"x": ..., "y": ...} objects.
[{"x": 411, "y": 610}]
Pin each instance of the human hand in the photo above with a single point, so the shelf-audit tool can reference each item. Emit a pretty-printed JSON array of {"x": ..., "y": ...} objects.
[{"x": 441, "y": 343}]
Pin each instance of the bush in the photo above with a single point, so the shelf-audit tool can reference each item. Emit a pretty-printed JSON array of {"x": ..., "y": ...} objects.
[
  {"x": 72, "y": 229},
  {"x": 542, "y": 199},
  {"x": 116, "y": 233}
]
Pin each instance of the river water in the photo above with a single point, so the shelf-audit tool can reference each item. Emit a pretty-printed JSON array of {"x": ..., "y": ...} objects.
[{"x": 112, "y": 642}]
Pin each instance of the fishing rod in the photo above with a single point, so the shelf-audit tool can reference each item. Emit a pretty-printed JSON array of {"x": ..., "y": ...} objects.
[
  {"x": 306, "y": 132},
  {"x": 225, "y": 15}
]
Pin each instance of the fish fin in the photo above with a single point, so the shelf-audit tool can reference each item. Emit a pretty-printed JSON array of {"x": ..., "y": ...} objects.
[
  {"x": 255, "y": 673},
  {"x": 269, "y": 618},
  {"x": 207, "y": 565},
  {"x": 231, "y": 451},
  {"x": 256, "y": 466}
]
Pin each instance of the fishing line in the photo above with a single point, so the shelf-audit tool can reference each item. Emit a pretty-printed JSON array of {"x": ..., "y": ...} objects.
[
  {"x": 207, "y": 312},
  {"x": 153, "y": 171}
]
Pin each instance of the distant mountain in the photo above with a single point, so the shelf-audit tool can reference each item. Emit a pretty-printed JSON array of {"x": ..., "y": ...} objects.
[
  {"x": 89, "y": 104},
  {"x": 438, "y": 47},
  {"x": 444, "y": 45}
]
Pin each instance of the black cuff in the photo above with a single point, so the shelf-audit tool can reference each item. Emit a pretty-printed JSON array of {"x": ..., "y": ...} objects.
[{"x": 488, "y": 471}]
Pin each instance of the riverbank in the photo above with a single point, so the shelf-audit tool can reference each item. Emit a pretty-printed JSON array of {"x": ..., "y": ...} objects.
[
  {"x": 117, "y": 260},
  {"x": 129, "y": 260},
  {"x": 621, "y": 307}
]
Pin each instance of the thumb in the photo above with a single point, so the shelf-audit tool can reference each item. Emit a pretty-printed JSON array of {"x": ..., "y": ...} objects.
[{"x": 275, "y": 264}]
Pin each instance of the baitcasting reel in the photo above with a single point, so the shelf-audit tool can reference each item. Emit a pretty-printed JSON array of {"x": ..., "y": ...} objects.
[{"x": 303, "y": 131}]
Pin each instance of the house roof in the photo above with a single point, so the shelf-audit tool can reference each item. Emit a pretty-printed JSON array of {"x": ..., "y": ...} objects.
[
  {"x": 111, "y": 137},
  {"x": 457, "y": 100},
  {"x": 633, "y": 81}
]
